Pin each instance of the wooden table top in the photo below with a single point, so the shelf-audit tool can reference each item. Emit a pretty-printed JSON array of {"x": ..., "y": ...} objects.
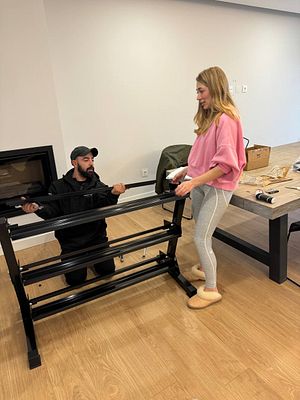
[{"x": 286, "y": 199}]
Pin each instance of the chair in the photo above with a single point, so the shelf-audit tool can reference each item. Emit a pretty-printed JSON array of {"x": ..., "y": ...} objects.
[
  {"x": 172, "y": 157},
  {"x": 247, "y": 141},
  {"x": 294, "y": 227}
]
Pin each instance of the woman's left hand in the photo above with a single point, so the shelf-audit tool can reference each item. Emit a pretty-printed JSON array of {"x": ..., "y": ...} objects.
[{"x": 184, "y": 188}]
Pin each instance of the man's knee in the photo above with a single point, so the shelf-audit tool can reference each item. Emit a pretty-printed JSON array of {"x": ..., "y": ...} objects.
[
  {"x": 76, "y": 277},
  {"x": 105, "y": 267}
]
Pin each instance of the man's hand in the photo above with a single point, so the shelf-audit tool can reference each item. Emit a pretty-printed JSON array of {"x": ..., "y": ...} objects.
[
  {"x": 29, "y": 207},
  {"x": 118, "y": 188}
]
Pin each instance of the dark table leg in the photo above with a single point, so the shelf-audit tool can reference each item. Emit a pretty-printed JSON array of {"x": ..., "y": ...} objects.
[
  {"x": 278, "y": 248},
  {"x": 275, "y": 258}
]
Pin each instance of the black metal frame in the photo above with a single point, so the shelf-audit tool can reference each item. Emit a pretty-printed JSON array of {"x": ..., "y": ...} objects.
[
  {"x": 41, "y": 270},
  {"x": 183, "y": 216},
  {"x": 275, "y": 258}
]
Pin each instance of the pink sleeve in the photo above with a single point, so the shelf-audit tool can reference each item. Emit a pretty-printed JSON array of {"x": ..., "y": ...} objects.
[{"x": 228, "y": 137}]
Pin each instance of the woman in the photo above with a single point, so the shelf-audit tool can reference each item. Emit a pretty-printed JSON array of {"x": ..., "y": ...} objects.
[{"x": 215, "y": 164}]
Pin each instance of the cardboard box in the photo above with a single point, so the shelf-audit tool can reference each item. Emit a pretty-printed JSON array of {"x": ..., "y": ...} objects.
[{"x": 257, "y": 157}]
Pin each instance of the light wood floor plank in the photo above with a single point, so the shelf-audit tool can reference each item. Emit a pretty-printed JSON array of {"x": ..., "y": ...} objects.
[
  {"x": 257, "y": 389},
  {"x": 143, "y": 343}
]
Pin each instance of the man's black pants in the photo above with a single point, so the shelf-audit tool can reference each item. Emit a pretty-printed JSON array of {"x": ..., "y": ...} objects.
[{"x": 101, "y": 268}]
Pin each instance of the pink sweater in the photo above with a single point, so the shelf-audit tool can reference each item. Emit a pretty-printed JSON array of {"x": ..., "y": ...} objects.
[{"x": 221, "y": 145}]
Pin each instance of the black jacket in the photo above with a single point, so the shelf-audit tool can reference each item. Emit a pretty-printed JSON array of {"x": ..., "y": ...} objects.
[
  {"x": 83, "y": 235},
  {"x": 171, "y": 157}
]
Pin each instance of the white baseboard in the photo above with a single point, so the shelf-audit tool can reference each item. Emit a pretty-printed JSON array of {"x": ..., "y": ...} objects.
[{"x": 137, "y": 196}]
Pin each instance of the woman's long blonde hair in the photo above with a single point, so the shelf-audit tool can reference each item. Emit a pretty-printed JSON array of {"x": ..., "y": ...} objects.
[{"x": 216, "y": 81}]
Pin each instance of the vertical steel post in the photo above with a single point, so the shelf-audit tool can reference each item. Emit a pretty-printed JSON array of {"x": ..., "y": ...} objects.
[
  {"x": 278, "y": 229},
  {"x": 14, "y": 272},
  {"x": 174, "y": 270}
]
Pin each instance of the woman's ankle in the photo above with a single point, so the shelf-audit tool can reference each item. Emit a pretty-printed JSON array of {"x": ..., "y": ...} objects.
[{"x": 215, "y": 289}]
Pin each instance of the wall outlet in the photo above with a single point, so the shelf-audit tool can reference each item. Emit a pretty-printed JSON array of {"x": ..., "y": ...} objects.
[
  {"x": 145, "y": 172},
  {"x": 244, "y": 88}
]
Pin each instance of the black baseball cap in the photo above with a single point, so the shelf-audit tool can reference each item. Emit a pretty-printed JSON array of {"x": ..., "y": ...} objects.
[{"x": 83, "y": 151}]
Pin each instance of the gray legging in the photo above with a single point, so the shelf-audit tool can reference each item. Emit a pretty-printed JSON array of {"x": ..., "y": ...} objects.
[{"x": 208, "y": 207}]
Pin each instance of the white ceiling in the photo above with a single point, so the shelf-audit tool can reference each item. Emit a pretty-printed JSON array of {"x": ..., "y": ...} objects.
[{"x": 292, "y": 6}]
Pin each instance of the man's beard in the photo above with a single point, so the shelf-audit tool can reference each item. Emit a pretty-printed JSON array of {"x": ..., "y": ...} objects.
[{"x": 88, "y": 174}]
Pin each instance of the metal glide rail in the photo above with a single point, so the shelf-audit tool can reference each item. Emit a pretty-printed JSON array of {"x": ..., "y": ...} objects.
[
  {"x": 67, "y": 221},
  {"x": 53, "y": 197}
]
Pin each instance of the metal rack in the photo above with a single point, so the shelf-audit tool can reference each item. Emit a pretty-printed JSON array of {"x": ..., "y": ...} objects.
[{"x": 24, "y": 275}]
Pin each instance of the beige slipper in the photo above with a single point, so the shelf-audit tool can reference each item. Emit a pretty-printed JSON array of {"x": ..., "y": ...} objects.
[
  {"x": 203, "y": 299},
  {"x": 200, "y": 275},
  {"x": 195, "y": 274}
]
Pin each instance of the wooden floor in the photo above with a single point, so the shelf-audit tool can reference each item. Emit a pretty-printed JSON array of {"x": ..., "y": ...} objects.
[{"x": 143, "y": 343}]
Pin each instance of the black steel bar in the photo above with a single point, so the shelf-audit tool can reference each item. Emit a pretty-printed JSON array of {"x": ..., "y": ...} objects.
[
  {"x": 26, "y": 267},
  {"x": 174, "y": 271},
  {"x": 40, "y": 274},
  {"x": 14, "y": 272},
  {"x": 12, "y": 264},
  {"x": 278, "y": 229},
  {"x": 164, "y": 262},
  {"x": 275, "y": 258},
  {"x": 177, "y": 217},
  {"x": 139, "y": 184},
  {"x": 95, "y": 292},
  {"x": 54, "y": 197},
  {"x": 66, "y": 289},
  {"x": 253, "y": 251},
  {"x": 68, "y": 221}
]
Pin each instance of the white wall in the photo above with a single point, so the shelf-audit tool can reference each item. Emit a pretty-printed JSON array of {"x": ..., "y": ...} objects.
[
  {"x": 125, "y": 73},
  {"x": 28, "y": 108},
  {"x": 120, "y": 75}
]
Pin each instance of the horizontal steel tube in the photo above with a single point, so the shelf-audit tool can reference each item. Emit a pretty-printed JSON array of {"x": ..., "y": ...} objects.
[
  {"x": 98, "y": 291},
  {"x": 40, "y": 274},
  {"x": 35, "y": 300},
  {"x": 54, "y": 224},
  {"x": 26, "y": 267},
  {"x": 55, "y": 197}
]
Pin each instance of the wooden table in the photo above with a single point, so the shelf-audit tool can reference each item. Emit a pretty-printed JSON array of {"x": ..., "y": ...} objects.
[{"x": 286, "y": 200}]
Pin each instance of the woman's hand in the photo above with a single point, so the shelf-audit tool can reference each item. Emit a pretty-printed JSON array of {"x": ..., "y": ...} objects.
[
  {"x": 184, "y": 188},
  {"x": 188, "y": 186},
  {"x": 180, "y": 176}
]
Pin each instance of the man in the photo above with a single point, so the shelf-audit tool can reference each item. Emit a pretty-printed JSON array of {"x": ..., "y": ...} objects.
[{"x": 81, "y": 177}]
